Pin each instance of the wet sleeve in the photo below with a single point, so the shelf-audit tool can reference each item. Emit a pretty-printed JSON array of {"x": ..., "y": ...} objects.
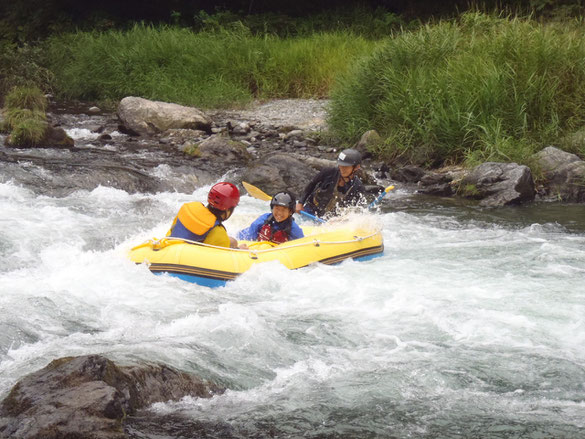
[
  {"x": 311, "y": 186},
  {"x": 217, "y": 236},
  {"x": 295, "y": 231}
]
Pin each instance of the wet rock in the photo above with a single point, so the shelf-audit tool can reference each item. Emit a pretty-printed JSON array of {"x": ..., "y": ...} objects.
[
  {"x": 224, "y": 150},
  {"x": 408, "y": 174},
  {"x": 499, "y": 184},
  {"x": 279, "y": 171},
  {"x": 437, "y": 184},
  {"x": 151, "y": 117},
  {"x": 90, "y": 397},
  {"x": 564, "y": 174}
]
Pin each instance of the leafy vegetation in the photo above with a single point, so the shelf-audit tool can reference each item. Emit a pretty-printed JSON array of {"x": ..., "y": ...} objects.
[
  {"x": 483, "y": 88},
  {"x": 206, "y": 69}
]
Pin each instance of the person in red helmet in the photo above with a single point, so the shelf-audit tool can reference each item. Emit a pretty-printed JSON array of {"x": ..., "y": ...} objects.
[{"x": 196, "y": 222}]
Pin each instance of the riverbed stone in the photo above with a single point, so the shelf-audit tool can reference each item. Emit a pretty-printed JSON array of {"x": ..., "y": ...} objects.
[
  {"x": 564, "y": 174},
  {"x": 152, "y": 117},
  {"x": 90, "y": 397},
  {"x": 499, "y": 184},
  {"x": 224, "y": 150},
  {"x": 279, "y": 171}
]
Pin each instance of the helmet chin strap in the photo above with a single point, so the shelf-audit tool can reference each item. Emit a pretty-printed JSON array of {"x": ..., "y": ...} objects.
[{"x": 349, "y": 177}]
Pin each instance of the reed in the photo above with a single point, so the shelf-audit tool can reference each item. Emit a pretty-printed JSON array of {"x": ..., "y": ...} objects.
[
  {"x": 222, "y": 68},
  {"x": 477, "y": 89}
]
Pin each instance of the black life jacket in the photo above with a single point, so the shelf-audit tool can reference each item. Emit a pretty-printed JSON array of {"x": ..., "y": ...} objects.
[{"x": 268, "y": 233}]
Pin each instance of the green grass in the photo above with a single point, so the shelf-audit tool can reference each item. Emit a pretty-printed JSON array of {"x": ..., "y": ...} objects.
[
  {"x": 206, "y": 69},
  {"x": 482, "y": 88},
  {"x": 28, "y": 132},
  {"x": 26, "y": 121},
  {"x": 26, "y": 97}
]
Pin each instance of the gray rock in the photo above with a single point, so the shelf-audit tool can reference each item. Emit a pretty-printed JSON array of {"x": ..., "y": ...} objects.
[
  {"x": 564, "y": 174},
  {"x": 224, "y": 150},
  {"x": 369, "y": 140},
  {"x": 279, "y": 171},
  {"x": 499, "y": 184},
  {"x": 89, "y": 397},
  {"x": 151, "y": 117}
]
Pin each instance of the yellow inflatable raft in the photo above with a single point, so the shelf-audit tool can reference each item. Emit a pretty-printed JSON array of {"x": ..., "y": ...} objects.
[{"x": 214, "y": 266}]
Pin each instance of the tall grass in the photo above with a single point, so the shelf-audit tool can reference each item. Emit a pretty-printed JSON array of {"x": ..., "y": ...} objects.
[
  {"x": 477, "y": 89},
  {"x": 207, "y": 69}
]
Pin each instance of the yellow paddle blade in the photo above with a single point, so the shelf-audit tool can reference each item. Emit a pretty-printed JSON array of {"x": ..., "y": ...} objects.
[{"x": 256, "y": 192}]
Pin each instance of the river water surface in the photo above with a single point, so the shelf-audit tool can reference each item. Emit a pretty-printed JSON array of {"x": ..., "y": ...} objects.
[{"x": 471, "y": 325}]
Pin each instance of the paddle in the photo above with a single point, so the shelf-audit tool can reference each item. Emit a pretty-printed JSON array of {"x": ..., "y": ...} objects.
[
  {"x": 379, "y": 197},
  {"x": 261, "y": 195}
]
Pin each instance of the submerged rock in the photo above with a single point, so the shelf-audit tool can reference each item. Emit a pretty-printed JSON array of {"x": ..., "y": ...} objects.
[{"x": 90, "y": 397}]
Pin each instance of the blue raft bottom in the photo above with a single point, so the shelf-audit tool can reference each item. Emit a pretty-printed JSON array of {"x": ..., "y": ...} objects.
[{"x": 214, "y": 283}]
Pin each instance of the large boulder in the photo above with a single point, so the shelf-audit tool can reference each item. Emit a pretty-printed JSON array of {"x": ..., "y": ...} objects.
[
  {"x": 89, "y": 397},
  {"x": 280, "y": 171},
  {"x": 151, "y": 117},
  {"x": 499, "y": 184},
  {"x": 564, "y": 174}
]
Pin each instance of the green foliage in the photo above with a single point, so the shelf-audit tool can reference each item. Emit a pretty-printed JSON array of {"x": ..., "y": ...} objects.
[
  {"x": 28, "y": 132},
  {"x": 206, "y": 69},
  {"x": 22, "y": 65},
  {"x": 481, "y": 88},
  {"x": 31, "y": 98},
  {"x": 358, "y": 20}
]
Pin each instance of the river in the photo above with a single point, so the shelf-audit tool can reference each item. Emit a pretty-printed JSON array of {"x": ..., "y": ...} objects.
[{"x": 471, "y": 325}]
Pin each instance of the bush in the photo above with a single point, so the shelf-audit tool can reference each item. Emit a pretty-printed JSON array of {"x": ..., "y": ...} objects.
[
  {"x": 478, "y": 89},
  {"x": 22, "y": 66}
]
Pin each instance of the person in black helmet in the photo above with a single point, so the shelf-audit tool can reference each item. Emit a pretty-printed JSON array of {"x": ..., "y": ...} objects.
[
  {"x": 278, "y": 225},
  {"x": 334, "y": 187}
]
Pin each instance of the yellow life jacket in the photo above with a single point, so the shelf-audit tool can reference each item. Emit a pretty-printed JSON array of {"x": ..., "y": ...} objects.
[{"x": 194, "y": 217}]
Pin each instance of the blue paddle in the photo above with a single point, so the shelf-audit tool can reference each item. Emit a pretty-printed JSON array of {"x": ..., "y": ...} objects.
[{"x": 379, "y": 197}]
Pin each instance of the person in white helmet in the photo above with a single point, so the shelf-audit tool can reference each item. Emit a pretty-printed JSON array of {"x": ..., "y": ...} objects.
[{"x": 334, "y": 187}]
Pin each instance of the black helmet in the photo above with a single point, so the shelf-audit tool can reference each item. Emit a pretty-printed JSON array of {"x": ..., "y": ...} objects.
[
  {"x": 285, "y": 199},
  {"x": 349, "y": 157}
]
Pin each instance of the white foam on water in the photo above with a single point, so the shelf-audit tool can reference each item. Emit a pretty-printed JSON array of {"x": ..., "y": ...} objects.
[{"x": 456, "y": 317}]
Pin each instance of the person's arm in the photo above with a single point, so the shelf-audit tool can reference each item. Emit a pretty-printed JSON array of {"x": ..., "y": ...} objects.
[
  {"x": 295, "y": 231},
  {"x": 251, "y": 233},
  {"x": 357, "y": 192},
  {"x": 310, "y": 188}
]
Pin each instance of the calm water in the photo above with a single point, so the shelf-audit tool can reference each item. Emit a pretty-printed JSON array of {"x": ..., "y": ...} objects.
[{"x": 471, "y": 325}]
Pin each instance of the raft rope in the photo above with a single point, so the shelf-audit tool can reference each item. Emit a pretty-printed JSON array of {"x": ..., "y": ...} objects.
[{"x": 163, "y": 242}]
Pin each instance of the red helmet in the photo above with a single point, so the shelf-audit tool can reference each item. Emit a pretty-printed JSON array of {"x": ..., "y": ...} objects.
[{"x": 223, "y": 196}]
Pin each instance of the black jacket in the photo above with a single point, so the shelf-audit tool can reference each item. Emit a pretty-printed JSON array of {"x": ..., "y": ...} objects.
[{"x": 323, "y": 187}]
